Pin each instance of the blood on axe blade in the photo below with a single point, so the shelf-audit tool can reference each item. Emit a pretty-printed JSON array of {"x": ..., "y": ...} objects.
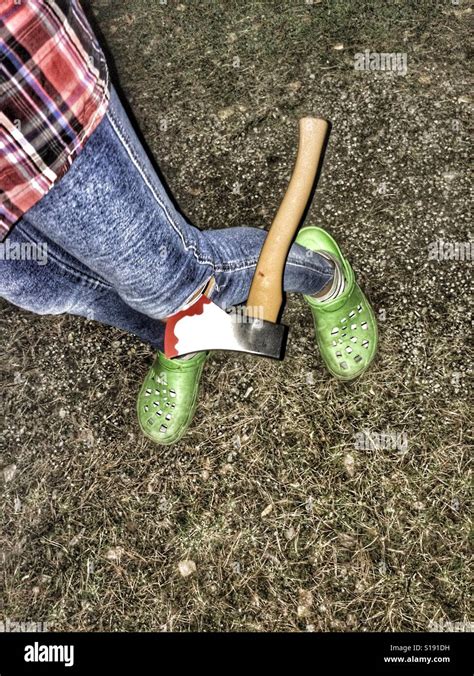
[{"x": 253, "y": 328}]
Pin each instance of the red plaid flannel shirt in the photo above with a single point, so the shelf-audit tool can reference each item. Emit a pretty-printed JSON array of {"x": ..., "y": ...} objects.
[{"x": 53, "y": 94}]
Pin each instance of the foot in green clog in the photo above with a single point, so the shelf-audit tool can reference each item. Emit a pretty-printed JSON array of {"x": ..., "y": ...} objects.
[
  {"x": 346, "y": 328},
  {"x": 168, "y": 397}
]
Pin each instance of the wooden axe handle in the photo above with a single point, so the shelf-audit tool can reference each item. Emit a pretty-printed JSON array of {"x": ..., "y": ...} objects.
[{"x": 266, "y": 290}]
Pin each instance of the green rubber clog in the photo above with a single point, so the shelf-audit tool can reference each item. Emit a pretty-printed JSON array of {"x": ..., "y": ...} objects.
[
  {"x": 346, "y": 328},
  {"x": 168, "y": 397}
]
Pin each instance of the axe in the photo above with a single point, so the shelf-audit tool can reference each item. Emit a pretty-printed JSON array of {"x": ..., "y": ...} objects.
[{"x": 253, "y": 328}]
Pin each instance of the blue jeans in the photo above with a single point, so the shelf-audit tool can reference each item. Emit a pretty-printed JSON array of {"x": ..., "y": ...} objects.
[{"x": 119, "y": 251}]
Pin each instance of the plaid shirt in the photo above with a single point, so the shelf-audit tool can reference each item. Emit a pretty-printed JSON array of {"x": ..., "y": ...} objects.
[{"x": 53, "y": 93}]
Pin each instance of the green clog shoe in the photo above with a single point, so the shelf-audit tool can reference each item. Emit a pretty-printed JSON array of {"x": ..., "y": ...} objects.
[
  {"x": 346, "y": 328},
  {"x": 168, "y": 397}
]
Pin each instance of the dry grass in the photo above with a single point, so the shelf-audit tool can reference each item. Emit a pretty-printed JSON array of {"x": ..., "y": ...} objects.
[{"x": 291, "y": 526}]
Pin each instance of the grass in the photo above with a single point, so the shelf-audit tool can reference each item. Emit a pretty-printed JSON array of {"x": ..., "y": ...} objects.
[{"x": 291, "y": 524}]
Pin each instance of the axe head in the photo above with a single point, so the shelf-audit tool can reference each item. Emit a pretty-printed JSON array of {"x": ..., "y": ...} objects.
[{"x": 205, "y": 326}]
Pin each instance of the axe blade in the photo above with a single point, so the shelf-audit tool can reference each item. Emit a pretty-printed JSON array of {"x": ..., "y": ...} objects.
[{"x": 205, "y": 326}]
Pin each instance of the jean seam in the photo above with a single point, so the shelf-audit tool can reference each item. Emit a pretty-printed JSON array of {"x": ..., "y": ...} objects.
[
  {"x": 122, "y": 136},
  {"x": 251, "y": 264}
]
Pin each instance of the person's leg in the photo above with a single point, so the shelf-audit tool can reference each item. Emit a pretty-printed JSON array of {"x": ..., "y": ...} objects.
[
  {"x": 237, "y": 251},
  {"x": 112, "y": 213},
  {"x": 37, "y": 275}
]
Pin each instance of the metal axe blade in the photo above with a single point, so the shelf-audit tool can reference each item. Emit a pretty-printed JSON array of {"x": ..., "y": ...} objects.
[{"x": 205, "y": 326}]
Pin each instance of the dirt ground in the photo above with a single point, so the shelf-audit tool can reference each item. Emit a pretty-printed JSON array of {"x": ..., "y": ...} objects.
[{"x": 305, "y": 504}]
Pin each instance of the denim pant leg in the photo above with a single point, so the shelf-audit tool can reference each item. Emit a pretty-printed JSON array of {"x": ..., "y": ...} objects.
[
  {"x": 237, "y": 251},
  {"x": 55, "y": 283},
  {"x": 112, "y": 213}
]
